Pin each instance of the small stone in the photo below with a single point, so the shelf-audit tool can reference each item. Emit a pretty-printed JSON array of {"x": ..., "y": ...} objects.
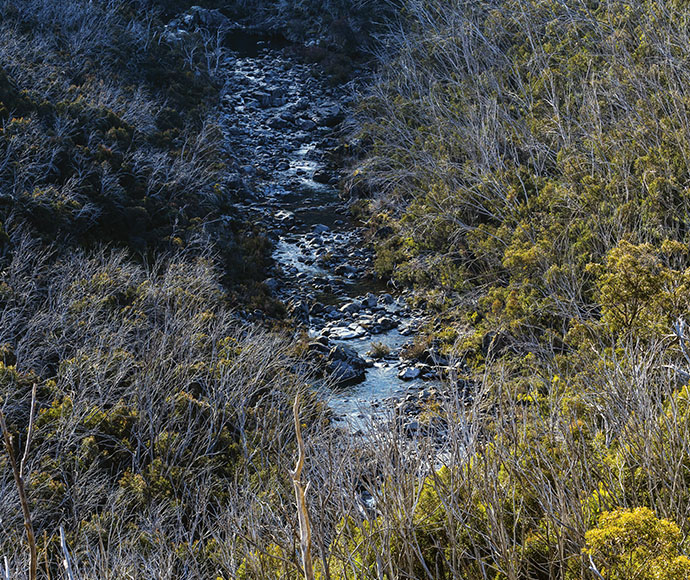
[
  {"x": 386, "y": 299},
  {"x": 319, "y": 229},
  {"x": 307, "y": 125},
  {"x": 409, "y": 374},
  {"x": 350, "y": 308},
  {"x": 370, "y": 301},
  {"x": 285, "y": 216}
]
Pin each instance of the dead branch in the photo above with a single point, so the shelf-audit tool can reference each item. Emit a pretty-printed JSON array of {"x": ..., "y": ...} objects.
[
  {"x": 67, "y": 562},
  {"x": 300, "y": 496},
  {"x": 18, "y": 471}
]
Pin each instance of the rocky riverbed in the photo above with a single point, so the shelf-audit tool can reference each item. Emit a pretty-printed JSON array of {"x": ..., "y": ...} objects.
[{"x": 281, "y": 122}]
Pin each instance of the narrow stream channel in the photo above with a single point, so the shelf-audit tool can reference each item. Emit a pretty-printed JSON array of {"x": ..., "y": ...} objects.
[{"x": 281, "y": 121}]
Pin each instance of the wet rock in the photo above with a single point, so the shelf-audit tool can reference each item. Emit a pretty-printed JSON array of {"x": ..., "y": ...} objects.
[
  {"x": 322, "y": 176},
  {"x": 299, "y": 310},
  {"x": 385, "y": 299},
  {"x": 334, "y": 314},
  {"x": 328, "y": 116},
  {"x": 306, "y": 125},
  {"x": 301, "y": 104},
  {"x": 345, "y": 365},
  {"x": 345, "y": 270},
  {"x": 386, "y": 323},
  {"x": 284, "y": 216},
  {"x": 344, "y": 374},
  {"x": 320, "y": 229},
  {"x": 264, "y": 99},
  {"x": 342, "y": 352},
  {"x": 350, "y": 308},
  {"x": 410, "y": 327},
  {"x": 348, "y": 333},
  {"x": 318, "y": 348},
  {"x": 272, "y": 284},
  {"x": 409, "y": 374},
  {"x": 278, "y": 123},
  {"x": 370, "y": 301}
]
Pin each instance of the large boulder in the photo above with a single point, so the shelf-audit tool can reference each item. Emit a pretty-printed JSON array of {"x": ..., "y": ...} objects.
[
  {"x": 350, "y": 308},
  {"x": 345, "y": 366},
  {"x": 195, "y": 19},
  {"x": 199, "y": 17},
  {"x": 344, "y": 373}
]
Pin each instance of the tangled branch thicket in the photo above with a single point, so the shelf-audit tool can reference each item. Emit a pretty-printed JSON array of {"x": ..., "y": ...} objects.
[
  {"x": 105, "y": 132},
  {"x": 530, "y": 161}
]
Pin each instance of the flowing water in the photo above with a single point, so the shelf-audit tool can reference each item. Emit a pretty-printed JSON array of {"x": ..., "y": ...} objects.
[{"x": 280, "y": 121}]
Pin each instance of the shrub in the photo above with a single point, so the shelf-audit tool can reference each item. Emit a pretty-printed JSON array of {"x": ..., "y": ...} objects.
[{"x": 636, "y": 545}]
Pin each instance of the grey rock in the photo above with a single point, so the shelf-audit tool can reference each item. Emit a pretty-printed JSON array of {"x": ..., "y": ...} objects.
[
  {"x": 344, "y": 374},
  {"x": 318, "y": 347},
  {"x": 322, "y": 176},
  {"x": 272, "y": 284},
  {"x": 348, "y": 334},
  {"x": 386, "y": 323},
  {"x": 347, "y": 354},
  {"x": 350, "y": 308},
  {"x": 370, "y": 301},
  {"x": 386, "y": 299},
  {"x": 278, "y": 123},
  {"x": 299, "y": 310},
  {"x": 346, "y": 270},
  {"x": 284, "y": 216},
  {"x": 320, "y": 229},
  {"x": 307, "y": 125},
  {"x": 329, "y": 115},
  {"x": 409, "y": 374}
]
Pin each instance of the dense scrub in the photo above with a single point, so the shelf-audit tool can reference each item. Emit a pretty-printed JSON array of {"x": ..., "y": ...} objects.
[
  {"x": 108, "y": 133},
  {"x": 156, "y": 413},
  {"x": 156, "y": 407},
  {"x": 527, "y": 170},
  {"x": 528, "y": 161},
  {"x": 535, "y": 155}
]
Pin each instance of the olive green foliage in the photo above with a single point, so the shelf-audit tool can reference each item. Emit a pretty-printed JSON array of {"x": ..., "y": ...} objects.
[
  {"x": 530, "y": 164},
  {"x": 527, "y": 164},
  {"x": 533, "y": 155},
  {"x": 634, "y": 544}
]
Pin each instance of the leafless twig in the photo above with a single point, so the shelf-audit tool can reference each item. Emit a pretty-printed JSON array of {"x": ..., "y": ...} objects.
[{"x": 18, "y": 472}]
